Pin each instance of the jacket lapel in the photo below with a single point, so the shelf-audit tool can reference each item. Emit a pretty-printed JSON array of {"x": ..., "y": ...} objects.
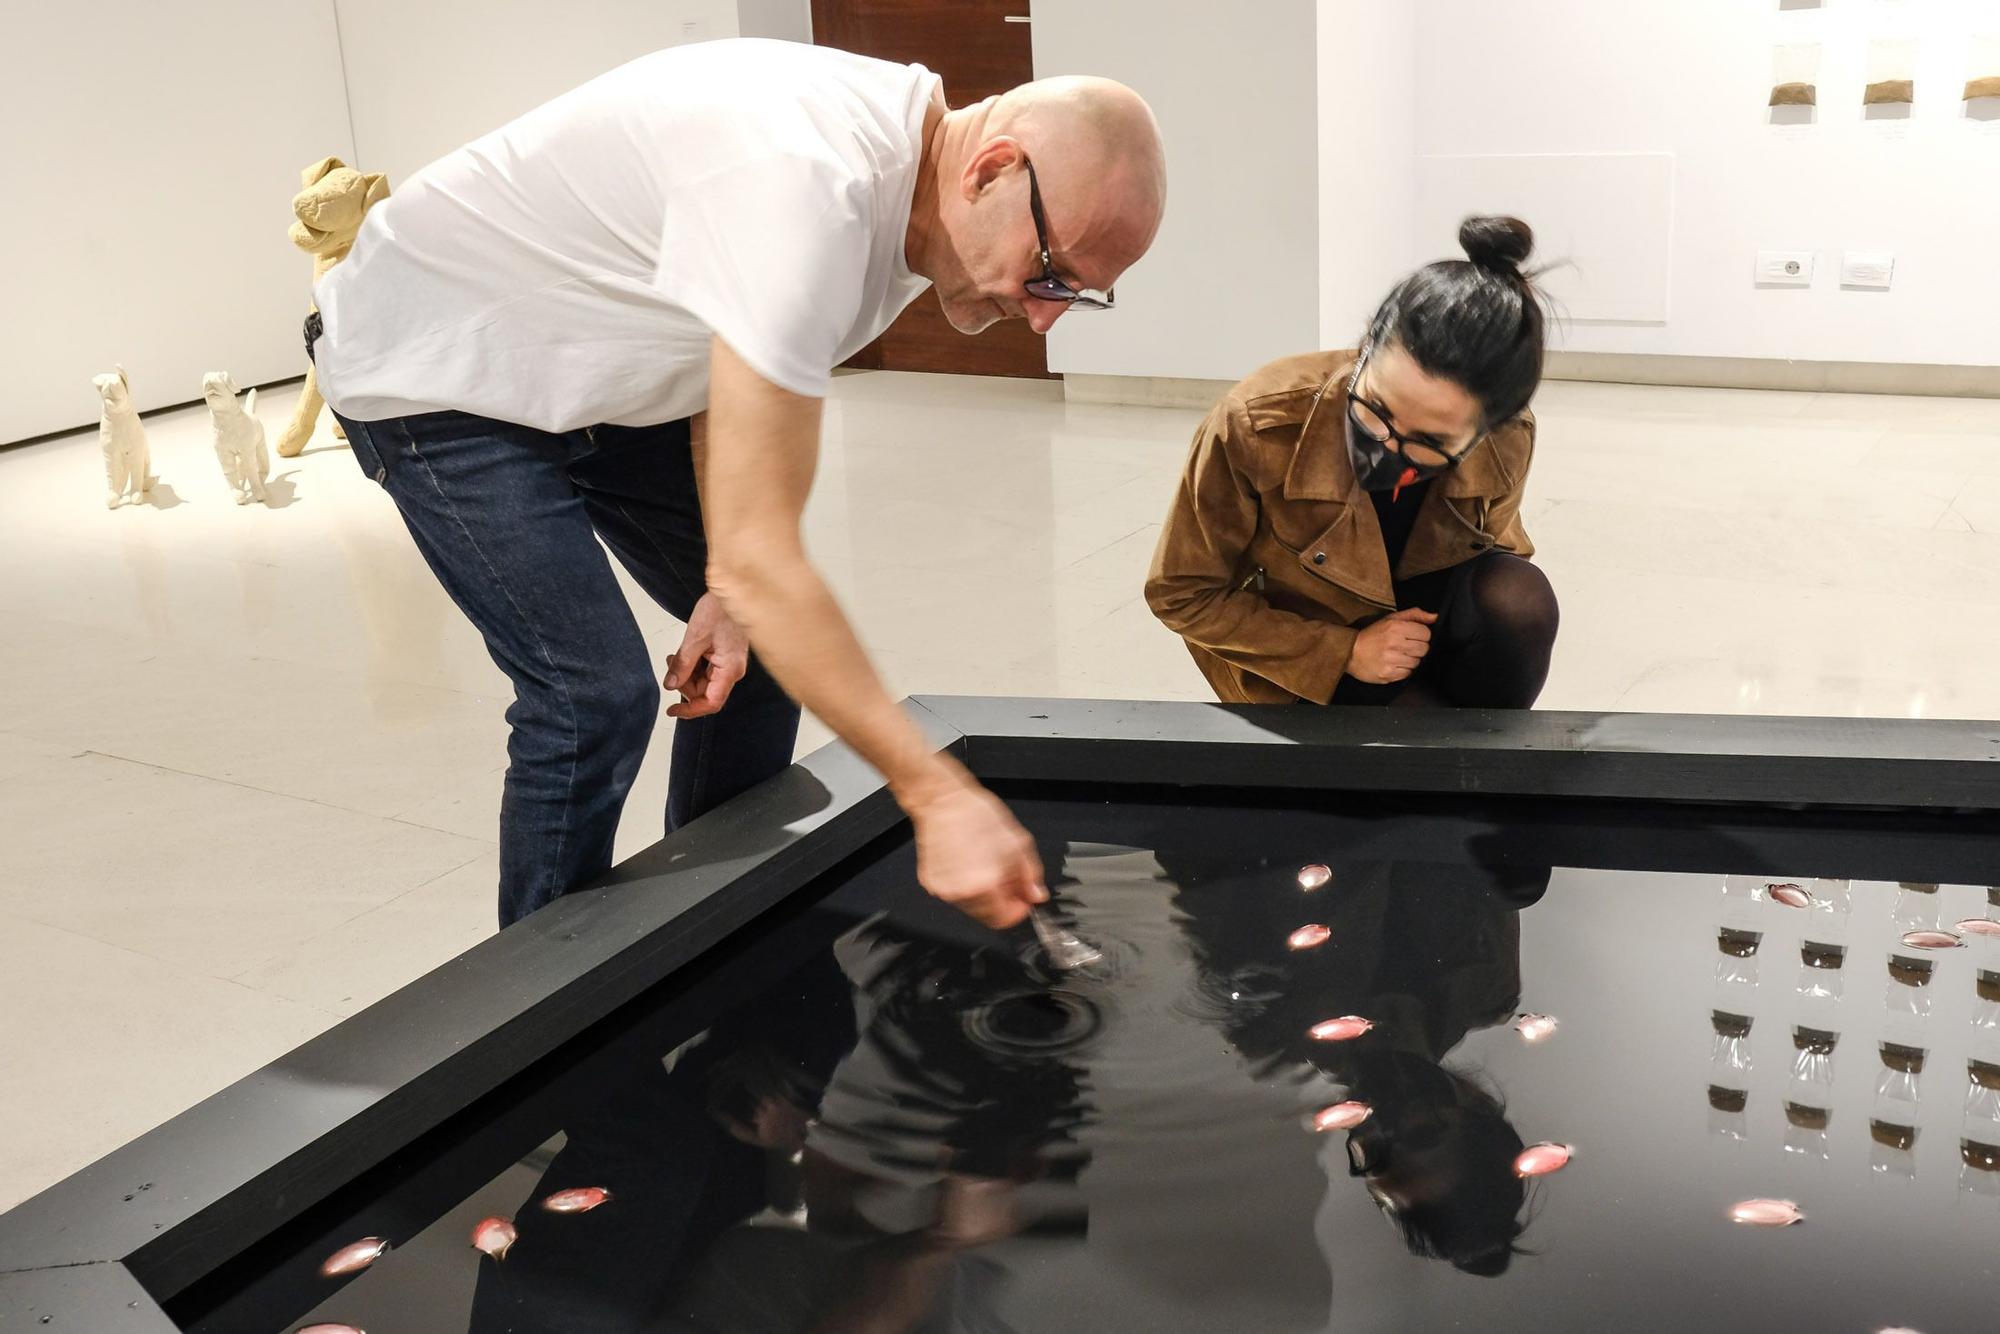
[
  {"x": 1449, "y": 528},
  {"x": 1349, "y": 553},
  {"x": 1452, "y": 525}
]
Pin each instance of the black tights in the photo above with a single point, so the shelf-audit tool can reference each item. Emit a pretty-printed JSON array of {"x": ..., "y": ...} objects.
[{"x": 1490, "y": 648}]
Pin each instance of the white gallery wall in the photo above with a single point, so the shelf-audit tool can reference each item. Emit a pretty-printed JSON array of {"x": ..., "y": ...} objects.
[
  {"x": 152, "y": 153},
  {"x": 149, "y": 155},
  {"x": 785, "y": 20},
  {"x": 425, "y": 78},
  {"x": 1563, "y": 97},
  {"x": 1318, "y": 149},
  {"x": 1367, "y": 102},
  {"x": 1233, "y": 279},
  {"x": 1635, "y": 138}
]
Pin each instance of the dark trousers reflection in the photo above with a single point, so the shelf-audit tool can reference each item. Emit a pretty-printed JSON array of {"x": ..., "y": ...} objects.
[
  {"x": 792, "y": 1172},
  {"x": 683, "y": 1153},
  {"x": 949, "y": 1127}
]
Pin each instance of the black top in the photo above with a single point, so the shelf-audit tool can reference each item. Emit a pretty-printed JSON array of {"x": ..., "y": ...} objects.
[{"x": 1398, "y": 517}]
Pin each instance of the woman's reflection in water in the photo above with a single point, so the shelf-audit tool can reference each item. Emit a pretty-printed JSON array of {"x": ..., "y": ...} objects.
[
  {"x": 788, "y": 1175},
  {"x": 1430, "y": 952}
]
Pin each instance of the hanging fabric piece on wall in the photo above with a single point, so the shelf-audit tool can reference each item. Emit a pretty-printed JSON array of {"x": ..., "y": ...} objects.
[
  {"x": 1982, "y": 68},
  {"x": 1795, "y": 75},
  {"x": 1892, "y": 72}
]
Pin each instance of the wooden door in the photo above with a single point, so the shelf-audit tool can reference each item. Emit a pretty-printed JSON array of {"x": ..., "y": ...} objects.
[{"x": 972, "y": 44}]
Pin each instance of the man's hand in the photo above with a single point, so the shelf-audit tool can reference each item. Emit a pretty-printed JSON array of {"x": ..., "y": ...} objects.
[
  {"x": 713, "y": 656},
  {"x": 756, "y": 461},
  {"x": 973, "y": 854},
  {"x": 1390, "y": 649}
]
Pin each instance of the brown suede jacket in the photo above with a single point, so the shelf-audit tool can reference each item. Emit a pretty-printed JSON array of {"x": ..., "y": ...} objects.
[{"x": 1272, "y": 561}]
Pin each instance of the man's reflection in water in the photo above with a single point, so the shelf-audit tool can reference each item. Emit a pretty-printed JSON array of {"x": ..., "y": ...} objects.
[
  {"x": 950, "y": 1126},
  {"x": 787, "y": 1175},
  {"x": 1429, "y": 952}
]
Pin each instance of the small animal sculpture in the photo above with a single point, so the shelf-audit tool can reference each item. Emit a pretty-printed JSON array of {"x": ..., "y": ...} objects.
[
  {"x": 239, "y": 437},
  {"x": 127, "y": 460}
]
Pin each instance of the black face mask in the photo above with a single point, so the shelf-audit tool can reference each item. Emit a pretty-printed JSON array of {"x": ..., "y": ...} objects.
[{"x": 1376, "y": 466}]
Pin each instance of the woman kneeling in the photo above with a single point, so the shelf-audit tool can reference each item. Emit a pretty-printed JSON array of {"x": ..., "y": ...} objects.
[{"x": 1348, "y": 528}]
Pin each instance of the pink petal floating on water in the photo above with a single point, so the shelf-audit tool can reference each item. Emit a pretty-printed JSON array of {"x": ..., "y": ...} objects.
[
  {"x": 578, "y": 1201},
  {"x": 332, "y": 1329},
  {"x": 1765, "y": 1213},
  {"x": 1541, "y": 1159},
  {"x": 1535, "y": 1027},
  {"x": 1341, "y": 1116},
  {"x": 1792, "y": 896},
  {"x": 1341, "y": 1029},
  {"x": 1312, "y": 877},
  {"x": 494, "y": 1236},
  {"x": 1980, "y": 926},
  {"x": 1310, "y": 936},
  {"x": 354, "y": 1257},
  {"x": 1931, "y": 940}
]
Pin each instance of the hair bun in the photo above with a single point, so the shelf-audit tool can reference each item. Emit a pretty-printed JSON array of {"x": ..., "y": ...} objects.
[{"x": 1497, "y": 243}]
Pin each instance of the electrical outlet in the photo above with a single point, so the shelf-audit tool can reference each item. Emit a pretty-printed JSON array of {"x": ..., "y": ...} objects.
[
  {"x": 1785, "y": 268},
  {"x": 1867, "y": 268}
]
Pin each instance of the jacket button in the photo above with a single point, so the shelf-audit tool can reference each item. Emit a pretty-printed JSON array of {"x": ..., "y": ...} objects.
[{"x": 1319, "y": 558}]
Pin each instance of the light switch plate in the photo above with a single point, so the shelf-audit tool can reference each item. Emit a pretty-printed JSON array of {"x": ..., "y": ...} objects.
[
  {"x": 1867, "y": 268},
  {"x": 1785, "y": 268}
]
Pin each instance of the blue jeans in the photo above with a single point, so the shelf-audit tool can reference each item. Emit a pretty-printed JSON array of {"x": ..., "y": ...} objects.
[{"x": 509, "y": 519}]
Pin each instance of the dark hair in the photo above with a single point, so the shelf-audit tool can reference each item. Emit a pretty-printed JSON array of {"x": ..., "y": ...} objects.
[
  {"x": 1475, "y": 321},
  {"x": 1472, "y": 1217}
]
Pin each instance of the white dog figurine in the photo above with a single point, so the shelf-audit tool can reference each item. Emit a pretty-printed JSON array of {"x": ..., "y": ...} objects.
[
  {"x": 239, "y": 437},
  {"x": 127, "y": 461}
]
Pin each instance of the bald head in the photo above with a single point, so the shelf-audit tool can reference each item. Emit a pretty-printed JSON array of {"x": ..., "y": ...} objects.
[
  {"x": 1095, "y": 138},
  {"x": 1092, "y": 150}
]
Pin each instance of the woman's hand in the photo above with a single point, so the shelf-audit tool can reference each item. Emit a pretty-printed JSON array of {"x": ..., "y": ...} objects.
[{"x": 1390, "y": 649}]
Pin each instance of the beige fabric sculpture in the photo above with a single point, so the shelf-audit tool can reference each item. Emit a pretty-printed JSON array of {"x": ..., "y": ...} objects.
[{"x": 329, "y": 208}]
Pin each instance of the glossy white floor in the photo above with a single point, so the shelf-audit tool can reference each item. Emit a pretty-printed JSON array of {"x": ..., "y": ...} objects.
[{"x": 250, "y": 758}]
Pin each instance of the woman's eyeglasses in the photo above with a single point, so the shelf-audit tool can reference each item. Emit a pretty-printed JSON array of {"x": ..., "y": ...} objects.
[{"x": 1372, "y": 420}]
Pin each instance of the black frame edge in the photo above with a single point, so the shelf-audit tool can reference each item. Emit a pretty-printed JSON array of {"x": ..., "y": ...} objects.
[
  {"x": 1833, "y": 762},
  {"x": 96, "y": 1236},
  {"x": 82, "y": 1244}
]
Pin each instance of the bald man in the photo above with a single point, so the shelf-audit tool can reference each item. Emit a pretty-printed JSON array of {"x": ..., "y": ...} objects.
[{"x": 527, "y": 335}]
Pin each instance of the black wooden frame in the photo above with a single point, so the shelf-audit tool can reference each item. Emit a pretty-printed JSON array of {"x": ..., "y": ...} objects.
[{"x": 104, "y": 1249}]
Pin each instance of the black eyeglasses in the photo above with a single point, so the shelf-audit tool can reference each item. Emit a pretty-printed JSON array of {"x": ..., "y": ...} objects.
[
  {"x": 1371, "y": 1149},
  {"x": 1048, "y": 287},
  {"x": 1373, "y": 420}
]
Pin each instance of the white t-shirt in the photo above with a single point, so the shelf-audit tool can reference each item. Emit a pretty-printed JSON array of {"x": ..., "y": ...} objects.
[{"x": 570, "y": 268}]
